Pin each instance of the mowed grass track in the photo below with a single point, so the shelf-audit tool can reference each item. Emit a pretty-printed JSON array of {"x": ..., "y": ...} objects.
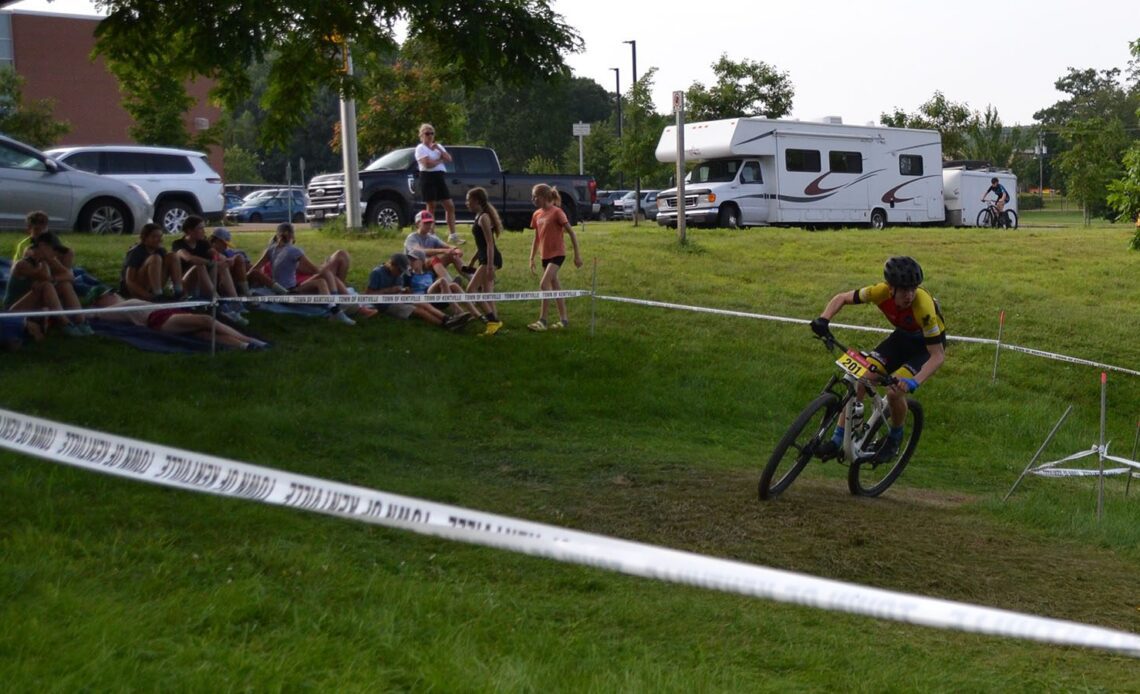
[{"x": 653, "y": 429}]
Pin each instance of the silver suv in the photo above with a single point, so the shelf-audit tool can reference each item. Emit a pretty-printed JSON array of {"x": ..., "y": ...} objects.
[
  {"x": 179, "y": 181},
  {"x": 30, "y": 180}
]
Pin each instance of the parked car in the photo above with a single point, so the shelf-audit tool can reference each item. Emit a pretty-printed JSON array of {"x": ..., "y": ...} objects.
[
  {"x": 232, "y": 200},
  {"x": 180, "y": 182},
  {"x": 31, "y": 180},
  {"x": 607, "y": 200},
  {"x": 270, "y": 206},
  {"x": 648, "y": 205}
]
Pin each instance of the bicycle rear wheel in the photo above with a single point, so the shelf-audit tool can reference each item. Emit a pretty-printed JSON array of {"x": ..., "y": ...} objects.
[
  {"x": 985, "y": 219},
  {"x": 796, "y": 448},
  {"x": 868, "y": 478}
]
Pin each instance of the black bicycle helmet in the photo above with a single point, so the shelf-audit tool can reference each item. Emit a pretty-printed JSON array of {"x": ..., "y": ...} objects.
[{"x": 902, "y": 271}]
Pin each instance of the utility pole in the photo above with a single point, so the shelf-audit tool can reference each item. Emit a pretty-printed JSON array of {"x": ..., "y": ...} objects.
[
  {"x": 617, "y": 92},
  {"x": 1041, "y": 164},
  {"x": 636, "y": 157},
  {"x": 348, "y": 151}
]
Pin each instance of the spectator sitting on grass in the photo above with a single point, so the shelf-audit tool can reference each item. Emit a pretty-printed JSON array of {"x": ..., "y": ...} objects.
[
  {"x": 439, "y": 254},
  {"x": 147, "y": 267},
  {"x": 423, "y": 281},
  {"x": 292, "y": 271},
  {"x": 392, "y": 277},
  {"x": 88, "y": 288},
  {"x": 232, "y": 260},
  {"x": 39, "y": 282}
]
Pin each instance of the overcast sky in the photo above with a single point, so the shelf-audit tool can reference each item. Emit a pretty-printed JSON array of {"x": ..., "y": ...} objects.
[{"x": 850, "y": 58}]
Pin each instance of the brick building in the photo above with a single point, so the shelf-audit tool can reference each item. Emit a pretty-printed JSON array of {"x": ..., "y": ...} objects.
[{"x": 52, "y": 52}]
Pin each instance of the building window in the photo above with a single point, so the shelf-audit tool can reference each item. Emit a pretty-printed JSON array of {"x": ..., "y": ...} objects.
[
  {"x": 910, "y": 165},
  {"x": 802, "y": 159},
  {"x": 845, "y": 162}
]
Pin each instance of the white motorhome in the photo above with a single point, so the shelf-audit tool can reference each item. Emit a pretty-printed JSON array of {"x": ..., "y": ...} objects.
[
  {"x": 756, "y": 171},
  {"x": 963, "y": 188}
]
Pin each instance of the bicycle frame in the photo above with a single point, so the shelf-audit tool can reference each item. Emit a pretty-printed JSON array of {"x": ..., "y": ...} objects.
[{"x": 876, "y": 410}]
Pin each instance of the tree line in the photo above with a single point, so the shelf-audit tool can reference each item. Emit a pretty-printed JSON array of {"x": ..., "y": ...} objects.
[{"x": 492, "y": 72}]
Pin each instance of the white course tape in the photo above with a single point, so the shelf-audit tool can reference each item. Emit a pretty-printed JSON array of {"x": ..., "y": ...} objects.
[
  {"x": 110, "y": 309},
  {"x": 784, "y": 319},
  {"x": 407, "y": 298},
  {"x": 172, "y": 467}
]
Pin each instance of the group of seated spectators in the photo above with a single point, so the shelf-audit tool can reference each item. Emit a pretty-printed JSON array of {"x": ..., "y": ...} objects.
[{"x": 44, "y": 277}]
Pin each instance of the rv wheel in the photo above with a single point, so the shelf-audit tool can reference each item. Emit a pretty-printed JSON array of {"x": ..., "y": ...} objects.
[
  {"x": 878, "y": 219},
  {"x": 728, "y": 217}
]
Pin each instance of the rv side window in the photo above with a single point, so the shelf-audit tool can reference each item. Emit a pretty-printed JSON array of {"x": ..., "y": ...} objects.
[
  {"x": 910, "y": 165},
  {"x": 751, "y": 173},
  {"x": 845, "y": 162},
  {"x": 801, "y": 159}
]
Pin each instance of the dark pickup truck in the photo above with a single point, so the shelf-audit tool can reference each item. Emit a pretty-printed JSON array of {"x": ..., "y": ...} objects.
[{"x": 390, "y": 192}]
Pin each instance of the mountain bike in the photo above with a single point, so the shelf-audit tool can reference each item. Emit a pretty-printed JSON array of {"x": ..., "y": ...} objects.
[
  {"x": 990, "y": 217},
  {"x": 862, "y": 437}
]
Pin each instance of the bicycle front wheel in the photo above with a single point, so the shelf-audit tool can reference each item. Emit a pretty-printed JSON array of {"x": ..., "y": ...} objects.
[
  {"x": 985, "y": 219},
  {"x": 798, "y": 445},
  {"x": 1011, "y": 219},
  {"x": 870, "y": 478}
]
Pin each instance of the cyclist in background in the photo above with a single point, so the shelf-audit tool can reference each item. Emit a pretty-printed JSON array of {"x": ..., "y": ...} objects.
[
  {"x": 912, "y": 353},
  {"x": 1000, "y": 193}
]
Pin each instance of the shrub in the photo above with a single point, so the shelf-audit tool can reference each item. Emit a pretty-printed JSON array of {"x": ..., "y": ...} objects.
[{"x": 1028, "y": 201}]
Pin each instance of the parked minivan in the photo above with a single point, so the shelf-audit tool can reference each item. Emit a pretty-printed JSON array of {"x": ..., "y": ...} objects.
[
  {"x": 73, "y": 200},
  {"x": 179, "y": 181}
]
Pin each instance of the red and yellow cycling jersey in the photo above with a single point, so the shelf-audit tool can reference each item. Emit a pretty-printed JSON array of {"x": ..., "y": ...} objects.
[{"x": 923, "y": 318}]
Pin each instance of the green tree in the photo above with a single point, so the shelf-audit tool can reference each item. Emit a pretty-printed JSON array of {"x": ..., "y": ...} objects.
[
  {"x": 241, "y": 165},
  {"x": 473, "y": 39},
  {"x": 405, "y": 94},
  {"x": 535, "y": 118},
  {"x": 952, "y": 120},
  {"x": 1124, "y": 193},
  {"x": 744, "y": 88},
  {"x": 640, "y": 132},
  {"x": 988, "y": 140},
  {"x": 1091, "y": 161},
  {"x": 30, "y": 122},
  {"x": 157, "y": 102}
]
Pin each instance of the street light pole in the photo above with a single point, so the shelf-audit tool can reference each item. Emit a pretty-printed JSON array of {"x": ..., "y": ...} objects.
[
  {"x": 636, "y": 157},
  {"x": 617, "y": 92}
]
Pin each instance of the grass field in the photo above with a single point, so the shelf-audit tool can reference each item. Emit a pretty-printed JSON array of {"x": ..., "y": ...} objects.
[{"x": 652, "y": 429}]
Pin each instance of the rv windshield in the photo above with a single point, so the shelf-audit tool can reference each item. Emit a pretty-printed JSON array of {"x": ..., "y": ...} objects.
[
  {"x": 717, "y": 171},
  {"x": 399, "y": 160}
]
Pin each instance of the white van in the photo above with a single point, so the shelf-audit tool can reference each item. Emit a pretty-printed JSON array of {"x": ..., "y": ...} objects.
[{"x": 756, "y": 171}]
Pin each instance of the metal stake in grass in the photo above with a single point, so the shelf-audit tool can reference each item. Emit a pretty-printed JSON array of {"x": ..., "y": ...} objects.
[
  {"x": 1135, "y": 440},
  {"x": 1039, "y": 452},
  {"x": 997, "y": 349},
  {"x": 1100, "y": 451}
]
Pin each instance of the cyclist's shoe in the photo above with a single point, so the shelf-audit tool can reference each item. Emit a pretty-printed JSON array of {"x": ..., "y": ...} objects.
[
  {"x": 827, "y": 450},
  {"x": 887, "y": 451}
]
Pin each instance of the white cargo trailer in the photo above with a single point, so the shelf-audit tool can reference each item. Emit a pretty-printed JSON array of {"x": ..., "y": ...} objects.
[
  {"x": 962, "y": 189},
  {"x": 756, "y": 171}
]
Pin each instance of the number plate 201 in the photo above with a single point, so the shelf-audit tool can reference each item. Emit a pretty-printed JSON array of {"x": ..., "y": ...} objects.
[{"x": 853, "y": 363}]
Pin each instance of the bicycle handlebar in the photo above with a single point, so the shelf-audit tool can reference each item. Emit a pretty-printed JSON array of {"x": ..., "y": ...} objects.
[{"x": 831, "y": 343}]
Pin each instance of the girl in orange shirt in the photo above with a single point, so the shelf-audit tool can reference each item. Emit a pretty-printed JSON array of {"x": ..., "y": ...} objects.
[{"x": 549, "y": 223}]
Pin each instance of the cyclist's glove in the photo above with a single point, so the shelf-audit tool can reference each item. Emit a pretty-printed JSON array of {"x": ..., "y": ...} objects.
[
  {"x": 911, "y": 384},
  {"x": 819, "y": 326}
]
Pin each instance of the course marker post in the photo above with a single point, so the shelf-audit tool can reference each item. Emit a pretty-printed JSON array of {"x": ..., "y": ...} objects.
[
  {"x": 997, "y": 347},
  {"x": 1100, "y": 449},
  {"x": 593, "y": 295},
  {"x": 1135, "y": 440}
]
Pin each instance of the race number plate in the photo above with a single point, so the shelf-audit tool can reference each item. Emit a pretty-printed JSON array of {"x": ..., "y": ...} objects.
[{"x": 854, "y": 363}]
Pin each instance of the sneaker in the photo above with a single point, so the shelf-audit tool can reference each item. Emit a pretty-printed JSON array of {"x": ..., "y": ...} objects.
[
  {"x": 454, "y": 240},
  {"x": 455, "y": 322},
  {"x": 72, "y": 330},
  {"x": 366, "y": 312},
  {"x": 537, "y": 327},
  {"x": 888, "y": 449},
  {"x": 341, "y": 317},
  {"x": 558, "y": 325},
  {"x": 827, "y": 450},
  {"x": 85, "y": 328},
  {"x": 493, "y": 326},
  {"x": 236, "y": 318}
]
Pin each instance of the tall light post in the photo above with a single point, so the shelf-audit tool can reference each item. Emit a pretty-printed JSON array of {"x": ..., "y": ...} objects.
[
  {"x": 617, "y": 92},
  {"x": 636, "y": 156}
]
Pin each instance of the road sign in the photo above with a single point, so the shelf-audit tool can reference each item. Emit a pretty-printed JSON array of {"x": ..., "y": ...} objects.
[{"x": 581, "y": 129}]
